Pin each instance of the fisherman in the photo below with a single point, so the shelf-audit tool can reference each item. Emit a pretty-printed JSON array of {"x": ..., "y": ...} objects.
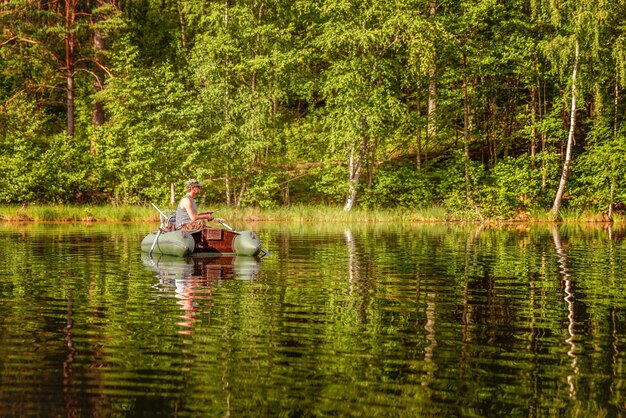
[{"x": 187, "y": 216}]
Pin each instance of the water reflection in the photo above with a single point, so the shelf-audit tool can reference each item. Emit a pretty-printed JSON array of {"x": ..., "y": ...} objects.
[
  {"x": 203, "y": 267},
  {"x": 432, "y": 320},
  {"x": 193, "y": 279},
  {"x": 68, "y": 391},
  {"x": 566, "y": 285}
]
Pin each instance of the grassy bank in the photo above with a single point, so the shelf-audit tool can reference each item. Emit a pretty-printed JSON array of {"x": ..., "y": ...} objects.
[
  {"x": 79, "y": 213},
  {"x": 147, "y": 214}
]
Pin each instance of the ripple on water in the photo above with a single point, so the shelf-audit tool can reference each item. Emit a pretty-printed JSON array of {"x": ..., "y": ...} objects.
[{"x": 367, "y": 322}]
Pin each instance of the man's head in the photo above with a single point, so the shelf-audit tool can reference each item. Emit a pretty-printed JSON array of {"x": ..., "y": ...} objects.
[{"x": 193, "y": 183}]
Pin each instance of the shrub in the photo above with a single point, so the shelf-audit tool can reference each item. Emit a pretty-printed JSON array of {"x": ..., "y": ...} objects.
[{"x": 402, "y": 186}]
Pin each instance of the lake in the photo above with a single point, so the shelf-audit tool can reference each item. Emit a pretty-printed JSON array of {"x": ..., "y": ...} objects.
[{"x": 339, "y": 320}]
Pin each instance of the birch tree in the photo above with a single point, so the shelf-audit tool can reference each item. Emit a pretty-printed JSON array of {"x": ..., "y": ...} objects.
[
  {"x": 420, "y": 34},
  {"x": 575, "y": 42},
  {"x": 239, "y": 58},
  {"x": 361, "y": 81}
]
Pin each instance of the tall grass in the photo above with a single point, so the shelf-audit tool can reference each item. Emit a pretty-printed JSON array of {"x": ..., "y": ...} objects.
[
  {"x": 310, "y": 213},
  {"x": 294, "y": 213},
  {"x": 71, "y": 213}
]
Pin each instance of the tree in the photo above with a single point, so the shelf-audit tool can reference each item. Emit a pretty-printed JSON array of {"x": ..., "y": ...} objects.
[
  {"x": 420, "y": 33},
  {"x": 360, "y": 84},
  {"x": 55, "y": 38},
  {"x": 577, "y": 24},
  {"x": 242, "y": 51},
  {"x": 558, "y": 199}
]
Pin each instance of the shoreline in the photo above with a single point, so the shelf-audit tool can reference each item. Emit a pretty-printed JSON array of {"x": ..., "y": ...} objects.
[{"x": 302, "y": 214}]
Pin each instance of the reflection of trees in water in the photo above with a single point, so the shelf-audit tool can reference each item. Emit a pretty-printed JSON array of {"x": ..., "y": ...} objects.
[
  {"x": 561, "y": 349},
  {"x": 616, "y": 356},
  {"x": 359, "y": 278},
  {"x": 366, "y": 283},
  {"x": 486, "y": 312},
  {"x": 430, "y": 330},
  {"x": 194, "y": 282},
  {"x": 71, "y": 401},
  {"x": 354, "y": 264},
  {"x": 508, "y": 298},
  {"x": 567, "y": 288}
]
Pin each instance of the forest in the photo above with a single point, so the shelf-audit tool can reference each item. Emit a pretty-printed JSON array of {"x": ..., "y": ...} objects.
[{"x": 493, "y": 109}]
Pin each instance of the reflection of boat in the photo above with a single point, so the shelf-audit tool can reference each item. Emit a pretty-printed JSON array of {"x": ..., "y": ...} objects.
[
  {"x": 208, "y": 240},
  {"x": 193, "y": 280},
  {"x": 204, "y": 266}
]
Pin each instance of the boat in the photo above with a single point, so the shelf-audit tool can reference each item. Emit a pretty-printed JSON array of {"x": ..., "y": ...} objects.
[
  {"x": 177, "y": 243},
  {"x": 214, "y": 240}
]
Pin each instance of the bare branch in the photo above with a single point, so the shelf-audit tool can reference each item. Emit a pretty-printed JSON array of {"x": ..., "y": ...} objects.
[
  {"x": 93, "y": 74},
  {"x": 102, "y": 67},
  {"x": 7, "y": 41}
]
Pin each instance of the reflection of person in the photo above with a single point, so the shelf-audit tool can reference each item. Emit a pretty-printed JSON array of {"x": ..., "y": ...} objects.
[
  {"x": 185, "y": 291},
  {"x": 187, "y": 216}
]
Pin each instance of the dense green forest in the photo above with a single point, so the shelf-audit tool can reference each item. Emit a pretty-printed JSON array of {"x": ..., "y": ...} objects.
[{"x": 491, "y": 108}]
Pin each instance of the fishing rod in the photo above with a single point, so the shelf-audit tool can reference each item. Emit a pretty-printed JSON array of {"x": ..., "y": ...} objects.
[
  {"x": 159, "y": 210},
  {"x": 218, "y": 220}
]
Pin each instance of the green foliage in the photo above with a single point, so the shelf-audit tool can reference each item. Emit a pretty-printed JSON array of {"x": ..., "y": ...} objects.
[
  {"x": 37, "y": 166},
  {"x": 331, "y": 184},
  {"x": 57, "y": 173},
  {"x": 600, "y": 173},
  {"x": 515, "y": 186},
  {"x": 263, "y": 192},
  {"x": 400, "y": 186},
  {"x": 235, "y": 92},
  {"x": 460, "y": 201},
  {"x": 154, "y": 138}
]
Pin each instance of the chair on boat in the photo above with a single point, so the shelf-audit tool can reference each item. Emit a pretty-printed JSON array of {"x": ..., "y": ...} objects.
[
  {"x": 171, "y": 222},
  {"x": 168, "y": 221}
]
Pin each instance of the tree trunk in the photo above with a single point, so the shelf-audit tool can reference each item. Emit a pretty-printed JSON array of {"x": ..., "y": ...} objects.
[
  {"x": 355, "y": 172},
  {"x": 97, "y": 115},
  {"x": 611, "y": 196},
  {"x": 544, "y": 112},
  {"x": 70, "y": 104},
  {"x": 286, "y": 200},
  {"x": 432, "y": 88},
  {"x": 432, "y": 105},
  {"x": 558, "y": 200},
  {"x": 70, "y": 18},
  {"x": 227, "y": 104},
  {"x": 466, "y": 123},
  {"x": 181, "y": 20},
  {"x": 372, "y": 166},
  {"x": 533, "y": 118},
  {"x": 615, "y": 106},
  {"x": 227, "y": 186},
  {"x": 418, "y": 157},
  {"x": 242, "y": 192}
]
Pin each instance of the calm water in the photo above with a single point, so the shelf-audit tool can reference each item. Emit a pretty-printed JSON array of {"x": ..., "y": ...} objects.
[{"x": 337, "y": 321}]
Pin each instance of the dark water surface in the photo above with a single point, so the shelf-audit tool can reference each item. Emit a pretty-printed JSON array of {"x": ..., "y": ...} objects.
[{"x": 338, "y": 321}]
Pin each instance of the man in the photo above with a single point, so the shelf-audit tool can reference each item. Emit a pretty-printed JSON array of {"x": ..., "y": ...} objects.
[{"x": 187, "y": 216}]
